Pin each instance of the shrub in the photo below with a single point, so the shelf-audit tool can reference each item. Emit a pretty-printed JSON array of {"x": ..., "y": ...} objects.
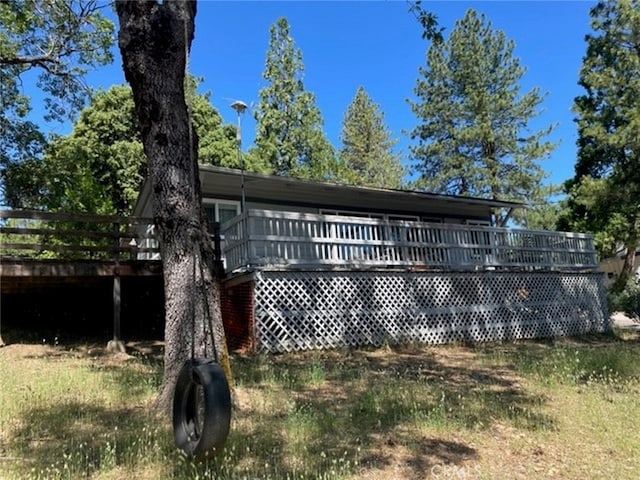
[{"x": 626, "y": 300}]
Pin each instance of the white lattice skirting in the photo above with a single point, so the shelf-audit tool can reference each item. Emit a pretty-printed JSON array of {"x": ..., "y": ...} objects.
[{"x": 316, "y": 310}]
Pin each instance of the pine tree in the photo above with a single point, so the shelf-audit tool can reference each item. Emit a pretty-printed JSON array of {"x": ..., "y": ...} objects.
[
  {"x": 604, "y": 195},
  {"x": 472, "y": 136},
  {"x": 367, "y": 146},
  {"x": 289, "y": 134}
]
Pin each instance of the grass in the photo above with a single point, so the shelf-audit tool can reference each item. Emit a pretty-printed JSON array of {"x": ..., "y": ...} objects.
[{"x": 565, "y": 409}]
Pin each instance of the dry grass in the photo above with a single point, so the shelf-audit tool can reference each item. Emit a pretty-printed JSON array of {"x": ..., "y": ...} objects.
[{"x": 559, "y": 410}]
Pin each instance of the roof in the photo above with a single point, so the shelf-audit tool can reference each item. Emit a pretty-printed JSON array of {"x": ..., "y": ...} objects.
[{"x": 226, "y": 183}]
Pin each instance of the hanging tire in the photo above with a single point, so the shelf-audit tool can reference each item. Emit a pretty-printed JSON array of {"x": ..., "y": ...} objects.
[{"x": 201, "y": 408}]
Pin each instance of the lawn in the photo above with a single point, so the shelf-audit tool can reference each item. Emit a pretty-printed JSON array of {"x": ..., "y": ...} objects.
[{"x": 567, "y": 409}]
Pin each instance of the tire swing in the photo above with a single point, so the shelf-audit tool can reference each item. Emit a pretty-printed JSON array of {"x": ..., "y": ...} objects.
[
  {"x": 201, "y": 399},
  {"x": 201, "y": 408}
]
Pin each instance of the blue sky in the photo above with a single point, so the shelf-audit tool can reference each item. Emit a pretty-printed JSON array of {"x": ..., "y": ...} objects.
[{"x": 378, "y": 44}]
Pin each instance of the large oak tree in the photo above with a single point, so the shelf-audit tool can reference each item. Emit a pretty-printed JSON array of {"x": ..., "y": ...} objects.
[
  {"x": 155, "y": 39},
  {"x": 57, "y": 42},
  {"x": 100, "y": 166}
]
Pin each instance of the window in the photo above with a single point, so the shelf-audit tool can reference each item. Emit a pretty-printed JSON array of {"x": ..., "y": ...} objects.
[
  {"x": 479, "y": 223},
  {"x": 348, "y": 213},
  {"x": 220, "y": 211}
]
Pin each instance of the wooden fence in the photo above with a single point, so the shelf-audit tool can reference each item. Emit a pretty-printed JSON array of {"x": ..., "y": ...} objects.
[{"x": 28, "y": 233}]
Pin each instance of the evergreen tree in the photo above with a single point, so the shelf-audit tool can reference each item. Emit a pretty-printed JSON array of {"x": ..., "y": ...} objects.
[
  {"x": 546, "y": 215},
  {"x": 289, "y": 134},
  {"x": 367, "y": 146},
  {"x": 604, "y": 195},
  {"x": 473, "y": 137},
  {"x": 216, "y": 140}
]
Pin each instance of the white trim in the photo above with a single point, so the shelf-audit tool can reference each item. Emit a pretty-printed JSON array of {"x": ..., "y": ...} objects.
[{"x": 216, "y": 202}]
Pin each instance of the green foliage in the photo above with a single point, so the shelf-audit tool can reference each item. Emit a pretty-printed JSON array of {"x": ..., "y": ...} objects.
[
  {"x": 60, "y": 40},
  {"x": 367, "y": 147},
  {"x": 626, "y": 300},
  {"x": 604, "y": 195},
  {"x": 600, "y": 206},
  {"x": 21, "y": 146},
  {"x": 473, "y": 136},
  {"x": 428, "y": 20},
  {"x": 546, "y": 214},
  {"x": 100, "y": 166},
  {"x": 216, "y": 140},
  {"x": 289, "y": 135}
]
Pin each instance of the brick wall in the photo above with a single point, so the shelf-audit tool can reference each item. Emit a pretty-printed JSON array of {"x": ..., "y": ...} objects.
[{"x": 236, "y": 303}]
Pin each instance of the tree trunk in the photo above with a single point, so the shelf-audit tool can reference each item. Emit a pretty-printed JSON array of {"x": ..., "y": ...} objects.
[
  {"x": 627, "y": 266},
  {"x": 154, "y": 40}
]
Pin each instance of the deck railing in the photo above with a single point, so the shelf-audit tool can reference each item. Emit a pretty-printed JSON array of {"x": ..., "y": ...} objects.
[
  {"x": 28, "y": 233},
  {"x": 259, "y": 238}
]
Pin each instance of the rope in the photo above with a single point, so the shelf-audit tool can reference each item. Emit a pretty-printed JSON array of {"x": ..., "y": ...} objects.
[
  {"x": 207, "y": 309},
  {"x": 193, "y": 315},
  {"x": 209, "y": 322},
  {"x": 196, "y": 234},
  {"x": 194, "y": 237}
]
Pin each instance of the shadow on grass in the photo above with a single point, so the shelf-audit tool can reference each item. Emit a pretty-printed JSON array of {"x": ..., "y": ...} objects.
[
  {"x": 313, "y": 415},
  {"x": 375, "y": 409},
  {"x": 77, "y": 439}
]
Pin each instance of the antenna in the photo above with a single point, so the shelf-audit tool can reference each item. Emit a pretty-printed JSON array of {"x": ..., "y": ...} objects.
[{"x": 240, "y": 107}]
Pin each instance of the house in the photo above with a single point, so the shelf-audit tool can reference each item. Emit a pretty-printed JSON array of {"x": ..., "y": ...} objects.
[
  {"x": 312, "y": 265},
  {"x": 612, "y": 266}
]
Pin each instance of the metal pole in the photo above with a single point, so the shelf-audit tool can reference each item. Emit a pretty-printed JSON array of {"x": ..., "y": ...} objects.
[{"x": 240, "y": 107}]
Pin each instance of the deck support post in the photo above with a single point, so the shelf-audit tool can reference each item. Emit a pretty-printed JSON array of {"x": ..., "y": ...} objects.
[{"x": 116, "y": 344}]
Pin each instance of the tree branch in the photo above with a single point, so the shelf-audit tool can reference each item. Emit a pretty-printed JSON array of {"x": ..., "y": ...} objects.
[{"x": 39, "y": 60}]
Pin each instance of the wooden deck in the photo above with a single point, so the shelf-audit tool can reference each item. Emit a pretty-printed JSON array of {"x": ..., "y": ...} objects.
[
  {"x": 55, "y": 265},
  {"x": 42, "y": 245},
  {"x": 266, "y": 239},
  {"x": 30, "y": 234},
  {"x": 29, "y": 267},
  {"x": 34, "y": 243}
]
